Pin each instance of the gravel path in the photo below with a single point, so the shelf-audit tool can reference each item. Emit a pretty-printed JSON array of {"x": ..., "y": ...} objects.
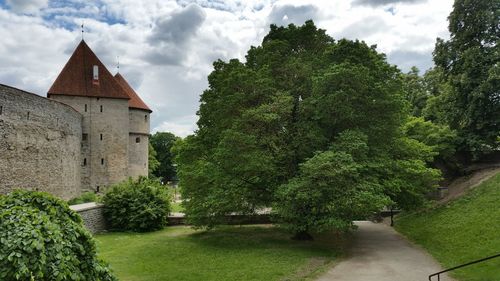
[{"x": 379, "y": 253}]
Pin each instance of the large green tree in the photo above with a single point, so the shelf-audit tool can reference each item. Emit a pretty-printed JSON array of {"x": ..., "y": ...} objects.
[
  {"x": 162, "y": 143},
  {"x": 470, "y": 63},
  {"x": 280, "y": 130}
]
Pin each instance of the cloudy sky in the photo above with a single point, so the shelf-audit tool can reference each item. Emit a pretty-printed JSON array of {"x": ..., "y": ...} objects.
[{"x": 166, "y": 48}]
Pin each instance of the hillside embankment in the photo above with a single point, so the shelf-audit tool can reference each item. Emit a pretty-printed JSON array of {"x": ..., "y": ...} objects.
[{"x": 464, "y": 226}]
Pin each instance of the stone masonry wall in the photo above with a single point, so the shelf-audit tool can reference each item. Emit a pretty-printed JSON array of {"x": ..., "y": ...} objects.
[
  {"x": 138, "y": 155},
  {"x": 39, "y": 144},
  {"x": 138, "y": 143},
  {"x": 92, "y": 215},
  {"x": 105, "y": 148}
]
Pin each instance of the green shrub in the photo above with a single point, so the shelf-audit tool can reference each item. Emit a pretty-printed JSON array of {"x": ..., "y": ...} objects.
[
  {"x": 137, "y": 205},
  {"x": 42, "y": 239},
  {"x": 85, "y": 197}
]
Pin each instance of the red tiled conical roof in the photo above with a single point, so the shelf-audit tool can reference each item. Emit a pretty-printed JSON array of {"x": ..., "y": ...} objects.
[
  {"x": 135, "y": 101},
  {"x": 76, "y": 78}
]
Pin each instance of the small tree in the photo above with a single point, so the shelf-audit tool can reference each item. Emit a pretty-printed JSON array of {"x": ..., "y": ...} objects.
[
  {"x": 137, "y": 205},
  {"x": 42, "y": 239},
  {"x": 162, "y": 143}
]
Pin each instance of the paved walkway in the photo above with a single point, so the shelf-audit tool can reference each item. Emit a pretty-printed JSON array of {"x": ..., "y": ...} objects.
[{"x": 379, "y": 253}]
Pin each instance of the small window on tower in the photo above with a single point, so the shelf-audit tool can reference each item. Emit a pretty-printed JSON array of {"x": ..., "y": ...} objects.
[
  {"x": 145, "y": 118},
  {"x": 28, "y": 115},
  {"x": 85, "y": 108},
  {"x": 1, "y": 109},
  {"x": 101, "y": 108},
  {"x": 102, "y": 161},
  {"x": 95, "y": 72},
  {"x": 138, "y": 140},
  {"x": 84, "y": 161},
  {"x": 101, "y": 136},
  {"x": 95, "y": 76},
  {"x": 97, "y": 189},
  {"x": 84, "y": 137}
]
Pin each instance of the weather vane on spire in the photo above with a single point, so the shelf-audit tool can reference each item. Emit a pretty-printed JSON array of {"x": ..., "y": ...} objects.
[
  {"x": 118, "y": 64},
  {"x": 82, "y": 29}
]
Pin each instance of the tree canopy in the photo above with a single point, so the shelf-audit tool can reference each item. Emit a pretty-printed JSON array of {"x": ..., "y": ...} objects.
[
  {"x": 163, "y": 167},
  {"x": 308, "y": 125},
  {"x": 469, "y": 61}
]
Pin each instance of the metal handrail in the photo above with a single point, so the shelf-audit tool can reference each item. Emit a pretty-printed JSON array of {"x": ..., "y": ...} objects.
[{"x": 459, "y": 266}]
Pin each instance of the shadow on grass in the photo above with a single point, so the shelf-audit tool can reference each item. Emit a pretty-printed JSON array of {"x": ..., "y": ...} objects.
[
  {"x": 320, "y": 253},
  {"x": 256, "y": 252},
  {"x": 268, "y": 236}
]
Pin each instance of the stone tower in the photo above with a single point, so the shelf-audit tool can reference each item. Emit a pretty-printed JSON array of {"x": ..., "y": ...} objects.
[
  {"x": 138, "y": 140},
  {"x": 86, "y": 85}
]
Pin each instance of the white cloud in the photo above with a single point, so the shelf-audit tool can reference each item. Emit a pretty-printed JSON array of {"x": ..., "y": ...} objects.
[
  {"x": 27, "y": 6},
  {"x": 286, "y": 14},
  {"x": 182, "y": 127},
  {"x": 375, "y": 3},
  {"x": 167, "y": 48}
]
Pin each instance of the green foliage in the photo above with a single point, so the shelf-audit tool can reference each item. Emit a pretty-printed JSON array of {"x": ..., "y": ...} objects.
[
  {"x": 469, "y": 60},
  {"x": 266, "y": 123},
  {"x": 440, "y": 138},
  {"x": 162, "y": 143},
  {"x": 330, "y": 191},
  {"x": 415, "y": 90},
  {"x": 406, "y": 175},
  {"x": 176, "y": 207},
  {"x": 42, "y": 239},
  {"x": 461, "y": 231},
  {"x": 137, "y": 205},
  {"x": 153, "y": 163},
  {"x": 85, "y": 197}
]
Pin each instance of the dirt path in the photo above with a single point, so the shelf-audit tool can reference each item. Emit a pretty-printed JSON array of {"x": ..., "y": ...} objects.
[
  {"x": 459, "y": 186},
  {"x": 379, "y": 253}
]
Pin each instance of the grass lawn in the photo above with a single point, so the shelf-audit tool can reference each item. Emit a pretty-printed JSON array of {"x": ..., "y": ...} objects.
[
  {"x": 260, "y": 253},
  {"x": 461, "y": 231}
]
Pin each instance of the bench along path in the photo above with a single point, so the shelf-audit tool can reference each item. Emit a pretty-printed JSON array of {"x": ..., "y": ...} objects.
[{"x": 379, "y": 253}]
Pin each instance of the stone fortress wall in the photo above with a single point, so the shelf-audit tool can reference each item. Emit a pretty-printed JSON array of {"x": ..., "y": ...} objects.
[
  {"x": 138, "y": 143},
  {"x": 39, "y": 144},
  {"x": 105, "y": 145},
  {"x": 90, "y": 133}
]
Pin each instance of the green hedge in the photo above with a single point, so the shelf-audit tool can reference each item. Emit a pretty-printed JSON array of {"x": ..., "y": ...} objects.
[
  {"x": 85, "y": 197},
  {"x": 137, "y": 205},
  {"x": 42, "y": 239}
]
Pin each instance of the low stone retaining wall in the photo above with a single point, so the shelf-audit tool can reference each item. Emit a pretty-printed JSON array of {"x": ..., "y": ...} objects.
[
  {"x": 92, "y": 215},
  {"x": 179, "y": 219}
]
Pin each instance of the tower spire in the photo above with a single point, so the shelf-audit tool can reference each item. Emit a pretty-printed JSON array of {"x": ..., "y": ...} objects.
[
  {"x": 117, "y": 64},
  {"x": 82, "y": 29}
]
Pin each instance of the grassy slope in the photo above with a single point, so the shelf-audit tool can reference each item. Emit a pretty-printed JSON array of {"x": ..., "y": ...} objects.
[
  {"x": 461, "y": 231},
  {"x": 230, "y": 253}
]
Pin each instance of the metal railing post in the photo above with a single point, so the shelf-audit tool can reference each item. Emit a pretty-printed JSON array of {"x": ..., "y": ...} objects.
[{"x": 462, "y": 265}]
